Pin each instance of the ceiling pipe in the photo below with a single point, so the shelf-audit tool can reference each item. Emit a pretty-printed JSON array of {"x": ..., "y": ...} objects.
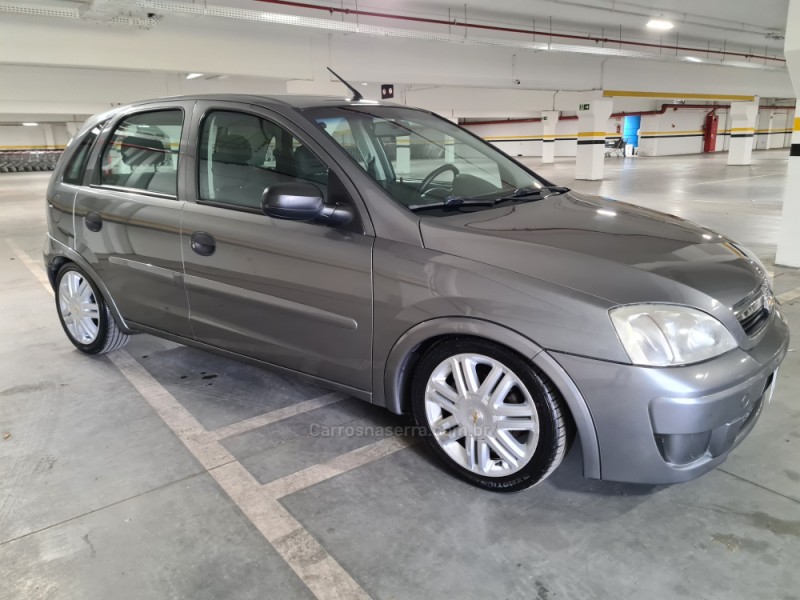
[
  {"x": 619, "y": 115},
  {"x": 456, "y": 23},
  {"x": 647, "y": 11}
]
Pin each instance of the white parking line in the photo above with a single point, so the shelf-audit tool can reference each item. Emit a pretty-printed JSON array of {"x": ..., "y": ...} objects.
[
  {"x": 317, "y": 569},
  {"x": 789, "y": 296},
  {"x": 336, "y": 466},
  {"x": 276, "y": 415},
  {"x": 37, "y": 269},
  {"x": 734, "y": 179}
]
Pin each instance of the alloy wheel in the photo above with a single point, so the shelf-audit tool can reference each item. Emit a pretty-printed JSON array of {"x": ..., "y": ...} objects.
[
  {"x": 79, "y": 308},
  {"x": 481, "y": 415}
]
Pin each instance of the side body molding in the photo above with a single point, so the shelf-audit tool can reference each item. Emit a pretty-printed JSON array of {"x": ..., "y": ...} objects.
[{"x": 392, "y": 392}]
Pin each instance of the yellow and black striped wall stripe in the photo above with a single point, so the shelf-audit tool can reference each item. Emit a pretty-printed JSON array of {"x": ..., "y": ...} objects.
[
  {"x": 544, "y": 138},
  {"x": 795, "y": 148}
]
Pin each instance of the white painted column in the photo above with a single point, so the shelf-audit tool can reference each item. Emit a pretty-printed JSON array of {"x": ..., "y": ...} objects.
[
  {"x": 72, "y": 128},
  {"x": 592, "y": 122},
  {"x": 403, "y": 146},
  {"x": 743, "y": 127},
  {"x": 449, "y": 149},
  {"x": 777, "y": 125},
  {"x": 549, "y": 122},
  {"x": 47, "y": 135},
  {"x": 789, "y": 235}
]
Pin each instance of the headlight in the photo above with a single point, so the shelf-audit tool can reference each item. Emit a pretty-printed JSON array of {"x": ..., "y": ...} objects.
[{"x": 663, "y": 335}]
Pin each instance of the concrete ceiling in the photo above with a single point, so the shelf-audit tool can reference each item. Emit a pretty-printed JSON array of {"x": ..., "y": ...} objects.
[{"x": 736, "y": 23}]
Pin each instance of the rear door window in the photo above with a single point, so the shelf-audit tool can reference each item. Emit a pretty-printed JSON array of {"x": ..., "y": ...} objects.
[{"x": 143, "y": 152}]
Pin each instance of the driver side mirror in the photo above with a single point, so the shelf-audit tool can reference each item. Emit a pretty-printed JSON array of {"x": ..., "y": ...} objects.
[{"x": 302, "y": 202}]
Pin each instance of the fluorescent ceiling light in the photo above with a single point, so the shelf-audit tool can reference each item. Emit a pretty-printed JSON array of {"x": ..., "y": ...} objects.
[
  {"x": 194, "y": 75},
  {"x": 693, "y": 59},
  {"x": 365, "y": 83},
  {"x": 659, "y": 25},
  {"x": 29, "y": 124}
]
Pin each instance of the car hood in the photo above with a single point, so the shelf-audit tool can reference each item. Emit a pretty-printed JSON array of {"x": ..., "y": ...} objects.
[{"x": 617, "y": 251}]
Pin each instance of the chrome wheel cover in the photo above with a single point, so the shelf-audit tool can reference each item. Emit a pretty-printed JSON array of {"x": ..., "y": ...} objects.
[
  {"x": 78, "y": 307},
  {"x": 481, "y": 415}
]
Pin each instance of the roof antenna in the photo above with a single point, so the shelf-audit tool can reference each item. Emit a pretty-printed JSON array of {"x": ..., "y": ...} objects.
[{"x": 356, "y": 94}]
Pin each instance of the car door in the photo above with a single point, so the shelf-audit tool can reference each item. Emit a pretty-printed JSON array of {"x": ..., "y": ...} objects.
[
  {"x": 290, "y": 293},
  {"x": 127, "y": 220}
]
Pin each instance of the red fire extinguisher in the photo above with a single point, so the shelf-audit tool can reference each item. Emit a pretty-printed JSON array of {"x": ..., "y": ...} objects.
[{"x": 710, "y": 133}]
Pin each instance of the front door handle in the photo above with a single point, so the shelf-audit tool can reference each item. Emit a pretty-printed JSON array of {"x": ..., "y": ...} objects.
[
  {"x": 203, "y": 243},
  {"x": 94, "y": 222}
]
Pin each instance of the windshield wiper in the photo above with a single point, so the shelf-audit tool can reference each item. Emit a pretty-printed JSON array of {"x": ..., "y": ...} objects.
[
  {"x": 455, "y": 202},
  {"x": 459, "y": 201},
  {"x": 542, "y": 191}
]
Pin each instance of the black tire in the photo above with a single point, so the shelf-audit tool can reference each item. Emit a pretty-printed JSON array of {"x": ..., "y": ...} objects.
[
  {"x": 109, "y": 336},
  {"x": 556, "y": 428}
]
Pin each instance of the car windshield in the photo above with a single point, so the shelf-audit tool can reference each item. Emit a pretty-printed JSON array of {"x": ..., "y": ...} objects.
[{"x": 426, "y": 163}]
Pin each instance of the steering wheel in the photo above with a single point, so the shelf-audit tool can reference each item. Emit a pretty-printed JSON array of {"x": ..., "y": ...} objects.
[{"x": 426, "y": 183}]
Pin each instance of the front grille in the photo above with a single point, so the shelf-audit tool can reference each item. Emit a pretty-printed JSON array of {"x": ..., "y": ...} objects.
[
  {"x": 755, "y": 322},
  {"x": 753, "y": 312}
]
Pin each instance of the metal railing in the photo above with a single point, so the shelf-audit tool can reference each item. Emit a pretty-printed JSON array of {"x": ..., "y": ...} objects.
[{"x": 17, "y": 161}]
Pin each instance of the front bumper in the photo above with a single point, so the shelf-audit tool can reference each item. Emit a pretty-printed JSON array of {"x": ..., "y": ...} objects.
[{"x": 668, "y": 425}]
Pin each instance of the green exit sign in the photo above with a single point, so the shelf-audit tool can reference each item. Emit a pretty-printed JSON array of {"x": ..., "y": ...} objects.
[
  {"x": 584, "y": 107},
  {"x": 544, "y": 118}
]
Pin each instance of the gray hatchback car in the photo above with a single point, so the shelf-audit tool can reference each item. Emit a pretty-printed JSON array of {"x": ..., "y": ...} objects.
[{"x": 384, "y": 251}]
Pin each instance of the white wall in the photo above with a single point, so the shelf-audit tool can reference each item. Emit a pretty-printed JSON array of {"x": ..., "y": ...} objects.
[
  {"x": 772, "y": 128},
  {"x": 16, "y": 137},
  {"x": 675, "y": 132},
  {"x": 525, "y": 139}
]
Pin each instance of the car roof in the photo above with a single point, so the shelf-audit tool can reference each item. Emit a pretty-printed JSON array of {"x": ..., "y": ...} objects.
[{"x": 287, "y": 100}]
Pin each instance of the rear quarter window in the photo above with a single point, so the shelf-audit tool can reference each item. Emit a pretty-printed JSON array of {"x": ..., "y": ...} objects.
[{"x": 73, "y": 172}]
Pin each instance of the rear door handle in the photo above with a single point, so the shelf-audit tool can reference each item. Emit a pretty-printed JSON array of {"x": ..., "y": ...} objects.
[
  {"x": 94, "y": 222},
  {"x": 203, "y": 243}
]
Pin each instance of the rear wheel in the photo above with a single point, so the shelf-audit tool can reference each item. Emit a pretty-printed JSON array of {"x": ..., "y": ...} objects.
[
  {"x": 84, "y": 313},
  {"x": 489, "y": 415}
]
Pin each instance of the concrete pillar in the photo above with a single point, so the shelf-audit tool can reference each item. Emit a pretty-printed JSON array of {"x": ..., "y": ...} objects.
[
  {"x": 72, "y": 128},
  {"x": 47, "y": 135},
  {"x": 549, "y": 122},
  {"x": 449, "y": 149},
  {"x": 789, "y": 235},
  {"x": 592, "y": 122},
  {"x": 777, "y": 123},
  {"x": 743, "y": 128},
  {"x": 403, "y": 146}
]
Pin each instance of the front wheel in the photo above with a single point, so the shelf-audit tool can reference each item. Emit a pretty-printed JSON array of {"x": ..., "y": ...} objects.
[
  {"x": 489, "y": 415},
  {"x": 84, "y": 313}
]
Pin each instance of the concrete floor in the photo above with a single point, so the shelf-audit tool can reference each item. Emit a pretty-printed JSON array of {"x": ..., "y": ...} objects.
[{"x": 165, "y": 472}]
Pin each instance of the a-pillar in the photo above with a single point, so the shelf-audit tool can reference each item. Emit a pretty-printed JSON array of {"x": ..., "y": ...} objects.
[
  {"x": 549, "y": 123},
  {"x": 592, "y": 122},
  {"x": 789, "y": 235},
  {"x": 743, "y": 129}
]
